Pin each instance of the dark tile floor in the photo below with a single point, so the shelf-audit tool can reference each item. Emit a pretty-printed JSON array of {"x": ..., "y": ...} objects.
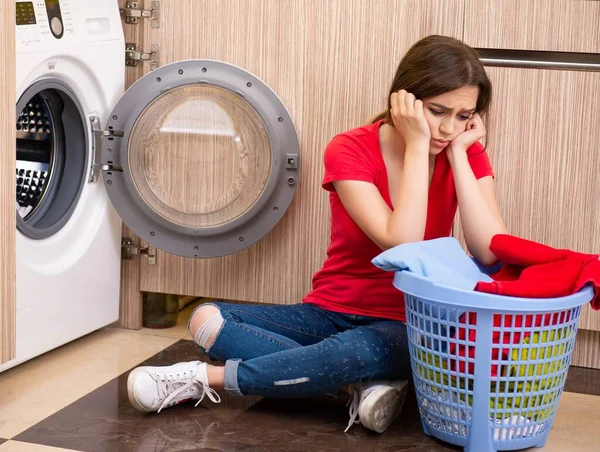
[{"x": 103, "y": 420}]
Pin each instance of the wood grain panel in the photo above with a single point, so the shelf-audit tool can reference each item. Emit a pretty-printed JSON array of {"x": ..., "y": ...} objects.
[
  {"x": 590, "y": 319},
  {"x": 544, "y": 152},
  {"x": 556, "y": 25},
  {"x": 331, "y": 64},
  {"x": 7, "y": 181},
  {"x": 130, "y": 307},
  {"x": 134, "y": 33},
  {"x": 587, "y": 349}
]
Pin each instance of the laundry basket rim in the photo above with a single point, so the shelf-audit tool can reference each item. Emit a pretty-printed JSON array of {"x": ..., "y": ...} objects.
[{"x": 428, "y": 290}]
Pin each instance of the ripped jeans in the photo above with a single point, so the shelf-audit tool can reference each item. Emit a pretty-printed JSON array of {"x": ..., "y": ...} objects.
[{"x": 302, "y": 350}]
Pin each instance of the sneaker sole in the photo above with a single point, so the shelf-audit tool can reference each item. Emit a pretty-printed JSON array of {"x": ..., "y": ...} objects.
[
  {"x": 131, "y": 393},
  {"x": 385, "y": 405}
]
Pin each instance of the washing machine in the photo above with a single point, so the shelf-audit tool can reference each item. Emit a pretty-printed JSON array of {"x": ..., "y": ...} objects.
[
  {"x": 200, "y": 158},
  {"x": 69, "y": 74}
]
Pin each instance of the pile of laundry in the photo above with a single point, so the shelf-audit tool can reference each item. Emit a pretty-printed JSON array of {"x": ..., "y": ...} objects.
[
  {"x": 525, "y": 268},
  {"x": 530, "y": 350}
]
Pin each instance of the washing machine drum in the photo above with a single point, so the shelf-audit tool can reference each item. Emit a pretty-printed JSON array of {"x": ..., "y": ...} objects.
[
  {"x": 51, "y": 157},
  {"x": 200, "y": 158}
]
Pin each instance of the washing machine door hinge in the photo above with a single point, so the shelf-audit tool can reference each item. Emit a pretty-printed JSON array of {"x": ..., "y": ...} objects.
[
  {"x": 133, "y": 12},
  {"x": 128, "y": 250},
  {"x": 97, "y": 133}
]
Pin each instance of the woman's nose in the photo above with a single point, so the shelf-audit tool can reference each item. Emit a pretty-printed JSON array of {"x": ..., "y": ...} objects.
[{"x": 447, "y": 127}]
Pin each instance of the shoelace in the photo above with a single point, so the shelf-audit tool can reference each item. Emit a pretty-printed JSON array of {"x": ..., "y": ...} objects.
[
  {"x": 170, "y": 387},
  {"x": 353, "y": 402}
]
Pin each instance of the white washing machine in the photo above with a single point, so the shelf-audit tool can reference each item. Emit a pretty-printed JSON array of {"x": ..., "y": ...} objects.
[
  {"x": 200, "y": 158},
  {"x": 69, "y": 68}
]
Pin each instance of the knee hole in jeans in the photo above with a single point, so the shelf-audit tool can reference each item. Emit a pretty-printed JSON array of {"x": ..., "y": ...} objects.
[{"x": 205, "y": 324}]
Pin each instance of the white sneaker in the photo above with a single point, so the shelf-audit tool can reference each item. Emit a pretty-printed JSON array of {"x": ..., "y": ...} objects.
[
  {"x": 376, "y": 404},
  {"x": 153, "y": 388}
]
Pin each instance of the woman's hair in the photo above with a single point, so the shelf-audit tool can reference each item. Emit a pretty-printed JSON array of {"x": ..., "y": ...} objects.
[{"x": 438, "y": 64}]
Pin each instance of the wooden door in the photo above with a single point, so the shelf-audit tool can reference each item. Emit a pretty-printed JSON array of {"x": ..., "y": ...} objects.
[
  {"x": 7, "y": 181},
  {"x": 331, "y": 63}
]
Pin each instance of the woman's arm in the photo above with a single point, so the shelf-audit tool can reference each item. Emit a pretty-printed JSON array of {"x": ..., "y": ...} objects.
[
  {"x": 362, "y": 200},
  {"x": 387, "y": 228},
  {"x": 479, "y": 213}
]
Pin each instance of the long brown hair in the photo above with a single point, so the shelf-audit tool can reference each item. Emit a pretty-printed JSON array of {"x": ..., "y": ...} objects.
[{"x": 438, "y": 64}]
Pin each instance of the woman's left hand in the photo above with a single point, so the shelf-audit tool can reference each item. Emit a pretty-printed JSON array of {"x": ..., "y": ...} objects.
[{"x": 474, "y": 131}]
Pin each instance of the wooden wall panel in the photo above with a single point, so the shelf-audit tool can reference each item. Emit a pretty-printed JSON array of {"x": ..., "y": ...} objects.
[
  {"x": 590, "y": 319},
  {"x": 558, "y": 25},
  {"x": 7, "y": 180},
  {"x": 587, "y": 349},
  {"x": 544, "y": 153},
  {"x": 331, "y": 63},
  {"x": 130, "y": 308}
]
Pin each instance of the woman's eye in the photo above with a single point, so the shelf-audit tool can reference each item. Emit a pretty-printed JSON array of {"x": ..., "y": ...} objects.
[
  {"x": 436, "y": 112},
  {"x": 464, "y": 118}
]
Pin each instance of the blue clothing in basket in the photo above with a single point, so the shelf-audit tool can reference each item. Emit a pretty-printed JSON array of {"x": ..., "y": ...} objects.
[
  {"x": 442, "y": 260},
  {"x": 445, "y": 263}
]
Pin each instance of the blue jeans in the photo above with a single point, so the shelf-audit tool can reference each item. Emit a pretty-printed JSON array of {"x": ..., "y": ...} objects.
[{"x": 302, "y": 350}]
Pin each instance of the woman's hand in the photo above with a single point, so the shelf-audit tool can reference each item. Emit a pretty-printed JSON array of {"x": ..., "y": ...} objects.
[
  {"x": 474, "y": 131},
  {"x": 409, "y": 120}
]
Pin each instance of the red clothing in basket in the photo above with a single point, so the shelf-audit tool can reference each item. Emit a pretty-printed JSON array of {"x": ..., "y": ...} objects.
[
  {"x": 530, "y": 270},
  {"x": 534, "y": 270}
]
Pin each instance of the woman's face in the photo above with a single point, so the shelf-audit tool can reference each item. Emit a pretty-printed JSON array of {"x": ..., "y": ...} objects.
[{"x": 448, "y": 115}]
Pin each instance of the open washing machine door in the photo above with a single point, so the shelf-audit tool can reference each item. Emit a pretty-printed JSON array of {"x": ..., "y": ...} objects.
[{"x": 200, "y": 158}]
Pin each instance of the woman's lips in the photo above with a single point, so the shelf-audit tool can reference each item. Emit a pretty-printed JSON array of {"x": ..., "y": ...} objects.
[{"x": 440, "y": 143}]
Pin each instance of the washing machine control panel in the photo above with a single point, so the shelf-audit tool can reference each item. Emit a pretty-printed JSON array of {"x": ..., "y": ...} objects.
[
  {"x": 39, "y": 19},
  {"x": 25, "y": 14}
]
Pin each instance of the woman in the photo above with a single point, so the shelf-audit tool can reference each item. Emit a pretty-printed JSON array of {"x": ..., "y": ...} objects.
[{"x": 396, "y": 180}]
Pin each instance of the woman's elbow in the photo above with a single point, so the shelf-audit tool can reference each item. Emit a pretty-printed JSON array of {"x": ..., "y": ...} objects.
[
  {"x": 485, "y": 257},
  {"x": 392, "y": 242},
  {"x": 488, "y": 261}
]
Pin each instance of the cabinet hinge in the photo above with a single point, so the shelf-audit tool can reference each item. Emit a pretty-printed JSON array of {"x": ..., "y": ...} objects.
[
  {"x": 128, "y": 250},
  {"x": 133, "y": 11},
  {"x": 132, "y": 55}
]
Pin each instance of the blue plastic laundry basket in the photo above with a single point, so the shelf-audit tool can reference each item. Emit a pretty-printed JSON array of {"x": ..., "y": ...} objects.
[{"x": 488, "y": 370}]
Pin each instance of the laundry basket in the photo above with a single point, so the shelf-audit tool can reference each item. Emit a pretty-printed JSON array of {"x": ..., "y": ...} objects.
[{"x": 488, "y": 370}]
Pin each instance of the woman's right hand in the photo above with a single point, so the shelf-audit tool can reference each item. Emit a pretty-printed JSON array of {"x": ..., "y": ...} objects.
[{"x": 409, "y": 119}]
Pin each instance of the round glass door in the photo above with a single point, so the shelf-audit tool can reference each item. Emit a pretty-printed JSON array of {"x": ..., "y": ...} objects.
[
  {"x": 204, "y": 160},
  {"x": 201, "y": 158}
]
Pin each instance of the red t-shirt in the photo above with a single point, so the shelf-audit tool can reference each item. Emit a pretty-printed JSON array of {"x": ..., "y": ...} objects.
[{"x": 348, "y": 282}]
